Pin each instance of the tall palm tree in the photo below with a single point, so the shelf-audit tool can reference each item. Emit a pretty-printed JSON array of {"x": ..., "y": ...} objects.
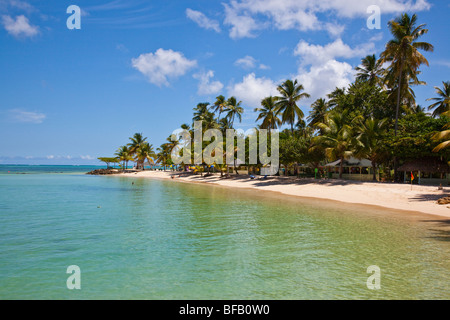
[
  {"x": 442, "y": 103},
  {"x": 268, "y": 114},
  {"x": 291, "y": 93},
  {"x": 403, "y": 53},
  {"x": 233, "y": 110},
  {"x": 317, "y": 114},
  {"x": 220, "y": 105},
  {"x": 369, "y": 140},
  {"x": 370, "y": 70},
  {"x": 336, "y": 138}
]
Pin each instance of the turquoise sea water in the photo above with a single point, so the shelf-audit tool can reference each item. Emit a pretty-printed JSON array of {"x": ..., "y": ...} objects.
[{"x": 168, "y": 240}]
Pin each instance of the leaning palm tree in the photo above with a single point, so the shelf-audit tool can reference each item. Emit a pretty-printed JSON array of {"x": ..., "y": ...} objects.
[
  {"x": 336, "y": 138},
  {"x": 318, "y": 112},
  {"x": 403, "y": 54},
  {"x": 369, "y": 141},
  {"x": 291, "y": 93},
  {"x": 370, "y": 70},
  {"x": 442, "y": 103},
  {"x": 268, "y": 114}
]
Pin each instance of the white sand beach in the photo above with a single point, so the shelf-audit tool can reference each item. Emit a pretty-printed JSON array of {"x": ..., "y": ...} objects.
[{"x": 394, "y": 196}]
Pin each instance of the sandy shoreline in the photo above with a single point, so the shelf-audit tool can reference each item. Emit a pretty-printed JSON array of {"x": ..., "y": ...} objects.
[{"x": 393, "y": 196}]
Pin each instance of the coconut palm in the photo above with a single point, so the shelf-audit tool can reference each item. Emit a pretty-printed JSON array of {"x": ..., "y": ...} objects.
[
  {"x": 233, "y": 110},
  {"x": 268, "y": 114},
  {"x": 442, "y": 103},
  {"x": 369, "y": 140},
  {"x": 370, "y": 70},
  {"x": 137, "y": 142},
  {"x": 145, "y": 153},
  {"x": 445, "y": 134},
  {"x": 291, "y": 93},
  {"x": 403, "y": 54},
  {"x": 163, "y": 155},
  {"x": 336, "y": 137},
  {"x": 220, "y": 105},
  {"x": 319, "y": 110},
  {"x": 201, "y": 111},
  {"x": 124, "y": 154}
]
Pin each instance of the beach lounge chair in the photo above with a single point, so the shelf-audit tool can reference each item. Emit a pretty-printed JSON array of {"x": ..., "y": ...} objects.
[{"x": 252, "y": 177}]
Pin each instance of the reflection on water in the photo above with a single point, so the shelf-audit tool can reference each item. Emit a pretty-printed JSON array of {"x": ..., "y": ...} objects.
[{"x": 168, "y": 240}]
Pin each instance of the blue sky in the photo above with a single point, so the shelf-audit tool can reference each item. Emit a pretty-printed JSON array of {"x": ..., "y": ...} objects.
[{"x": 70, "y": 96}]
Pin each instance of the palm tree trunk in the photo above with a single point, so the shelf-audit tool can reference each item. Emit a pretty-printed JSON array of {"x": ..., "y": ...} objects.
[
  {"x": 341, "y": 167},
  {"x": 374, "y": 168},
  {"x": 396, "y": 114}
]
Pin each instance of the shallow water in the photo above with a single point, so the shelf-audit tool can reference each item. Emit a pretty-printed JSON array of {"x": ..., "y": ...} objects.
[{"x": 169, "y": 240}]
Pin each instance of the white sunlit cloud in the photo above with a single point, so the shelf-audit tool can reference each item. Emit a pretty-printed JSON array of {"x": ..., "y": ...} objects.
[
  {"x": 19, "y": 27},
  {"x": 23, "y": 116},
  {"x": 206, "y": 86},
  {"x": 202, "y": 21},
  {"x": 319, "y": 70},
  {"x": 162, "y": 64},
  {"x": 246, "y": 17},
  {"x": 248, "y": 62},
  {"x": 251, "y": 90}
]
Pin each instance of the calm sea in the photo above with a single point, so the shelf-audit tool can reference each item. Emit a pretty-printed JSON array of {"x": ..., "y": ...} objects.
[{"x": 168, "y": 240}]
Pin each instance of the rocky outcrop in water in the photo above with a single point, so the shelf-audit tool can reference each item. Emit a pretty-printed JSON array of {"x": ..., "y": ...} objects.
[{"x": 98, "y": 172}]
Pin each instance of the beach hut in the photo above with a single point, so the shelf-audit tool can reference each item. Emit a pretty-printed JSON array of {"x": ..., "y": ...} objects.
[
  {"x": 430, "y": 171},
  {"x": 353, "y": 169}
]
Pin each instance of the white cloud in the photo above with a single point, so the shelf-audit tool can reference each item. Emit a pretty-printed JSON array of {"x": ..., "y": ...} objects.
[
  {"x": 319, "y": 70},
  {"x": 19, "y": 115},
  {"x": 264, "y": 67},
  {"x": 242, "y": 25},
  {"x": 252, "y": 90},
  {"x": 248, "y": 62},
  {"x": 162, "y": 64},
  {"x": 317, "y": 54},
  {"x": 20, "y": 26},
  {"x": 206, "y": 86},
  {"x": 247, "y": 16},
  {"x": 202, "y": 20},
  {"x": 87, "y": 157},
  {"x": 320, "y": 80}
]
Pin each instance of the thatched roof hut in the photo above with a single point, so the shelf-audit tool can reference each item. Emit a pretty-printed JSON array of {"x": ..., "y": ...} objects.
[{"x": 428, "y": 165}]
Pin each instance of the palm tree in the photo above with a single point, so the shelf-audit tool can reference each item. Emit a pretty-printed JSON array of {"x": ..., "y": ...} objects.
[
  {"x": 124, "y": 154},
  {"x": 369, "y": 140},
  {"x": 403, "y": 53},
  {"x": 442, "y": 103},
  {"x": 234, "y": 109},
  {"x": 137, "y": 142},
  {"x": 370, "y": 70},
  {"x": 145, "y": 152},
  {"x": 318, "y": 112},
  {"x": 220, "y": 105},
  {"x": 268, "y": 114},
  {"x": 287, "y": 103},
  {"x": 445, "y": 134},
  {"x": 163, "y": 155},
  {"x": 201, "y": 111},
  {"x": 336, "y": 137},
  {"x": 335, "y": 97}
]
